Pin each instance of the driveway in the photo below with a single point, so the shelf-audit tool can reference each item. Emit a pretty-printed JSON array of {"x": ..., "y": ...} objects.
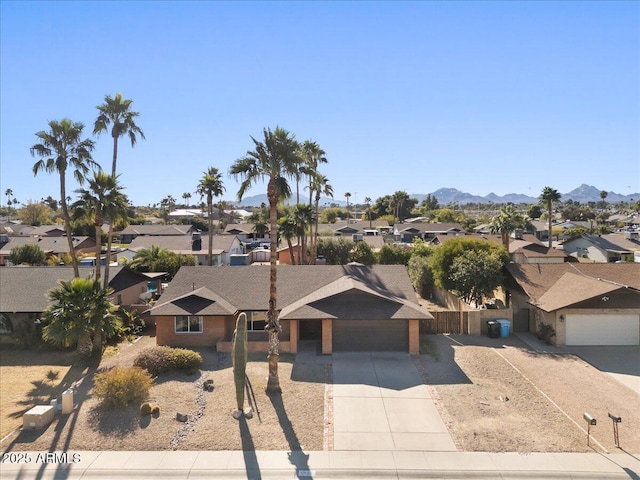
[
  {"x": 622, "y": 363},
  {"x": 381, "y": 403}
]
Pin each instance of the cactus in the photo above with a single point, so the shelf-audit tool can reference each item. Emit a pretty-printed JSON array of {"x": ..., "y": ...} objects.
[{"x": 240, "y": 358}]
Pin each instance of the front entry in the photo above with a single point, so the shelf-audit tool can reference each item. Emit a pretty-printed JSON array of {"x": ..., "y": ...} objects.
[{"x": 310, "y": 329}]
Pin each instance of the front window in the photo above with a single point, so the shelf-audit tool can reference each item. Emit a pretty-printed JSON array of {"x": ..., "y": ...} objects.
[
  {"x": 6, "y": 328},
  {"x": 188, "y": 324},
  {"x": 256, "y": 321}
]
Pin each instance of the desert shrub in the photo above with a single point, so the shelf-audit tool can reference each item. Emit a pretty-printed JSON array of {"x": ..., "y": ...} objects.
[
  {"x": 545, "y": 332},
  {"x": 184, "y": 359},
  {"x": 120, "y": 386},
  {"x": 145, "y": 409},
  {"x": 157, "y": 360}
]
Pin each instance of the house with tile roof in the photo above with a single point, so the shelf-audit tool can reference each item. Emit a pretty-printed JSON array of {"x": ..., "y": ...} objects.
[
  {"x": 406, "y": 232},
  {"x": 341, "y": 307},
  {"x": 51, "y": 246},
  {"x": 23, "y": 292},
  {"x": 607, "y": 248},
  {"x": 133, "y": 231},
  {"x": 586, "y": 304},
  {"x": 195, "y": 244}
]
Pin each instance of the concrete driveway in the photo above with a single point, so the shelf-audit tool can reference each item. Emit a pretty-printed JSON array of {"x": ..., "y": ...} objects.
[
  {"x": 622, "y": 363},
  {"x": 381, "y": 403}
]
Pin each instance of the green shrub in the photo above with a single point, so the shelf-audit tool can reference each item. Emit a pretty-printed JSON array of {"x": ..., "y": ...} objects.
[
  {"x": 545, "y": 332},
  {"x": 184, "y": 359},
  {"x": 157, "y": 360},
  {"x": 120, "y": 386}
]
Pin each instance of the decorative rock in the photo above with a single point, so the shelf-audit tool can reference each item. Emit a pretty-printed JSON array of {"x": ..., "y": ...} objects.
[
  {"x": 208, "y": 385},
  {"x": 248, "y": 412},
  {"x": 236, "y": 414},
  {"x": 182, "y": 417}
]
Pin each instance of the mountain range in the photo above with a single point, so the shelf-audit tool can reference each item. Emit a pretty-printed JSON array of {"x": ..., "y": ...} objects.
[{"x": 584, "y": 193}]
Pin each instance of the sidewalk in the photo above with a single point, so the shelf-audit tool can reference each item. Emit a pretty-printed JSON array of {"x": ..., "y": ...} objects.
[{"x": 266, "y": 465}]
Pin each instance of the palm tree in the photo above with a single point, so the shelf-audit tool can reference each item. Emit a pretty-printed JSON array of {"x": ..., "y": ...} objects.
[
  {"x": 603, "y": 196},
  {"x": 103, "y": 201},
  {"x": 9, "y": 194},
  {"x": 186, "y": 196},
  {"x": 145, "y": 259},
  {"x": 79, "y": 308},
  {"x": 59, "y": 148},
  {"x": 116, "y": 112},
  {"x": 312, "y": 155},
  {"x": 210, "y": 186},
  {"x": 367, "y": 201},
  {"x": 271, "y": 160},
  {"x": 550, "y": 195},
  {"x": 287, "y": 230},
  {"x": 347, "y": 196},
  {"x": 302, "y": 215},
  {"x": 506, "y": 222},
  {"x": 320, "y": 185}
]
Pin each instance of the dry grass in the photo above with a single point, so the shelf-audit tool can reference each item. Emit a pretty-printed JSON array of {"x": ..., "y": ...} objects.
[{"x": 32, "y": 377}]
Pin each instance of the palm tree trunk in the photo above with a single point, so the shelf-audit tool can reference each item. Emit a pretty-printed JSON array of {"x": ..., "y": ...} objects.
[
  {"x": 67, "y": 225},
  {"x": 99, "y": 251},
  {"x": 84, "y": 345},
  {"x": 110, "y": 232},
  {"x": 210, "y": 221},
  {"x": 291, "y": 252},
  {"x": 549, "y": 212},
  {"x": 273, "y": 325}
]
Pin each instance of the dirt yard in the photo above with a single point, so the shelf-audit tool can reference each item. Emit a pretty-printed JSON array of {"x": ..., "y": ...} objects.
[
  {"x": 494, "y": 395},
  {"x": 293, "y": 420},
  {"x": 498, "y": 395}
]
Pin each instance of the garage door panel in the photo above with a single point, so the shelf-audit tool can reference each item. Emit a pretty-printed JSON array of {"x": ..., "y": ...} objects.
[
  {"x": 602, "y": 329},
  {"x": 370, "y": 335}
]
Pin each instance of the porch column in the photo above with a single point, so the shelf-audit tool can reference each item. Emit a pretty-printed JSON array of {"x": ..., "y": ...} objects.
[
  {"x": 414, "y": 337},
  {"x": 327, "y": 337},
  {"x": 293, "y": 335}
]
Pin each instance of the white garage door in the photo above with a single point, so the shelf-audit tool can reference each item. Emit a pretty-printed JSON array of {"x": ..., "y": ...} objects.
[{"x": 612, "y": 329}]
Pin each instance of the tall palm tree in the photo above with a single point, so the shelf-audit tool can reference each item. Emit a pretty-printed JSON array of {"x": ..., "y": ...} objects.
[
  {"x": 210, "y": 186},
  {"x": 186, "y": 196},
  {"x": 312, "y": 155},
  {"x": 303, "y": 218},
  {"x": 9, "y": 194},
  {"x": 320, "y": 185},
  {"x": 347, "y": 196},
  {"x": 548, "y": 196},
  {"x": 102, "y": 201},
  {"x": 367, "y": 201},
  {"x": 271, "y": 160},
  {"x": 287, "y": 230},
  {"x": 79, "y": 308},
  {"x": 59, "y": 148},
  {"x": 116, "y": 113}
]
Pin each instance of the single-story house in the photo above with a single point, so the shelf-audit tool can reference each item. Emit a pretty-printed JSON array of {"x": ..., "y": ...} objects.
[
  {"x": 50, "y": 245},
  {"x": 612, "y": 247},
  {"x": 343, "y": 308},
  {"x": 244, "y": 231},
  {"x": 133, "y": 231},
  {"x": 196, "y": 244},
  {"x": 586, "y": 304},
  {"x": 407, "y": 232},
  {"x": 23, "y": 292}
]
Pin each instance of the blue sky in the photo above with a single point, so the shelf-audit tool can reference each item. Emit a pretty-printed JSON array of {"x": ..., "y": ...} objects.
[{"x": 485, "y": 97}]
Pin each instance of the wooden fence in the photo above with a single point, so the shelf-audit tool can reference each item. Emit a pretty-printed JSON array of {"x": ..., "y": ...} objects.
[{"x": 455, "y": 323}]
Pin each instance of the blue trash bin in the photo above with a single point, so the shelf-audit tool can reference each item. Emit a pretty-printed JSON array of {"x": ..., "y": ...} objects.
[{"x": 505, "y": 326}]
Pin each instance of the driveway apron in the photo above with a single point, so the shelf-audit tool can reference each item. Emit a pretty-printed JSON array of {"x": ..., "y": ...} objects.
[{"x": 381, "y": 403}]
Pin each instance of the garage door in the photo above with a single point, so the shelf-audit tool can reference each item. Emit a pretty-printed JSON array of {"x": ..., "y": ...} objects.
[
  {"x": 613, "y": 329},
  {"x": 370, "y": 335}
]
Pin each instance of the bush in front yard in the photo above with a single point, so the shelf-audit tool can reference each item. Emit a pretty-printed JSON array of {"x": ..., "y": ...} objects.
[
  {"x": 157, "y": 360},
  {"x": 120, "y": 386}
]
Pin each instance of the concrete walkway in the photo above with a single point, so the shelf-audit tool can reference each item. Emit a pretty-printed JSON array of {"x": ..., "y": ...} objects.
[
  {"x": 179, "y": 465},
  {"x": 381, "y": 403}
]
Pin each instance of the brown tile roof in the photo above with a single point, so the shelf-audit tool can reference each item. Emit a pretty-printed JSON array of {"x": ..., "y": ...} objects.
[
  {"x": 549, "y": 286},
  {"x": 55, "y": 245}
]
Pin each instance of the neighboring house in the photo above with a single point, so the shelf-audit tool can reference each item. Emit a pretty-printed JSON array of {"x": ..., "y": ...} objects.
[
  {"x": 407, "y": 232},
  {"x": 540, "y": 230},
  {"x": 197, "y": 245},
  {"x": 15, "y": 229},
  {"x": 244, "y": 231},
  {"x": 47, "y": 231},
  {"x": 23, "y": 293},
  {"x": 344, "y": 308},
  {"x": 613, "y": 247},
  {"x": 586, "y": 304},
  {"x": 523, "y": 248},
  {"x": 188, "y": 213},
  {"x": 57, "y": 246},
  {"x": 133, "y": 231}
]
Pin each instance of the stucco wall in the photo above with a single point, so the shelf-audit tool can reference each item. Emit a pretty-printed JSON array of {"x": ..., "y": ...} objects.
[{"x": 212, "y": 331}]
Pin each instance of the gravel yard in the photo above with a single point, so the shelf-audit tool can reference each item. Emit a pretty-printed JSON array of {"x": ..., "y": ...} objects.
[
  {"x": 499, "y": 395},
  {"x": 494, "y": 395}
]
